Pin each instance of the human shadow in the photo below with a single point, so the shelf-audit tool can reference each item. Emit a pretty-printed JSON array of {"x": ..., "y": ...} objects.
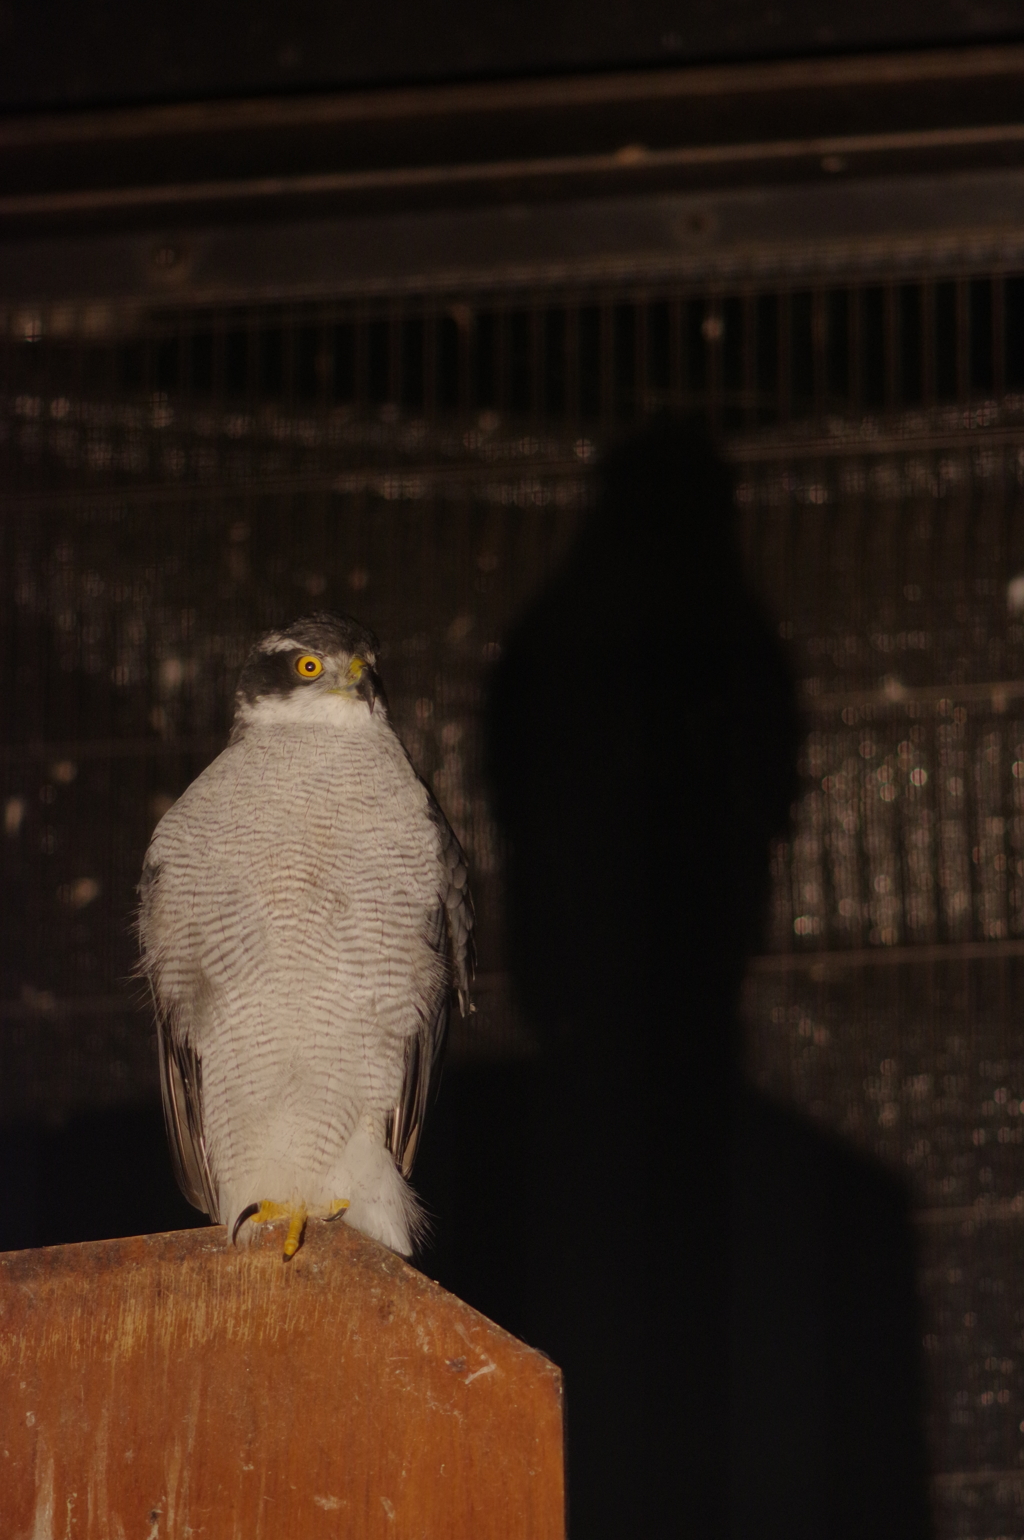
[{"x": 730, "y": 1292}]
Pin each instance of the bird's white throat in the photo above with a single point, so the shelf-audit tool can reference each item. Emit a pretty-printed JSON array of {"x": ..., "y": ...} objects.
[{"x": 311, "y": 708}]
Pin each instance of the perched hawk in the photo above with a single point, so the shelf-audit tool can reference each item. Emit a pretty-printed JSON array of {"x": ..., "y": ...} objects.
[{"x": 305, "y": 921}]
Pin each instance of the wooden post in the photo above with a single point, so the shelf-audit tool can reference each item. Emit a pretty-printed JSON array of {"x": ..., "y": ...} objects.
[{"x": 166, "y": 1387}]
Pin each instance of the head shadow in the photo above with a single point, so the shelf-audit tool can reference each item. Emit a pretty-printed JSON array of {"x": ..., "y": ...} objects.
[{"x": 642, "y": 738}]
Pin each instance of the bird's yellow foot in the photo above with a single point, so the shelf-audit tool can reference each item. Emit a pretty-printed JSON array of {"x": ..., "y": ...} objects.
[
  {"x": 296, "y": 1215},
  {"x": 263, "y": 1213}
]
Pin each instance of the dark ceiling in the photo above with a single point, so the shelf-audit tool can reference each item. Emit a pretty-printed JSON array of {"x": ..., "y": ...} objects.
[{"x": 55, "y": 53}]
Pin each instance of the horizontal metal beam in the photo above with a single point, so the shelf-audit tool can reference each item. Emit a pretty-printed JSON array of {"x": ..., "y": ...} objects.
[
  {"x": 703, "y": 163},
  {"x": 780, "y": 78},
  {"x": 834, "y": 231},
  {"x": 656, "y": 131},
  {"x": 820, "y": 963}
]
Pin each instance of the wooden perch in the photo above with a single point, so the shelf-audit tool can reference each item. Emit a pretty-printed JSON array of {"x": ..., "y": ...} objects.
[{"x": 166, "y": 1387}]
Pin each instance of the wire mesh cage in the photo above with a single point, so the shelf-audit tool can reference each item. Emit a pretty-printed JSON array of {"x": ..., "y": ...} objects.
[
  {"x": 178, "y": 478},
  {"x": 747, "y": 359}
]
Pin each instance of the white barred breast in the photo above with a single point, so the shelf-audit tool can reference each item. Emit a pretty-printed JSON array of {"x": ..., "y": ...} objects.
[{"x": 290, "y": 933}]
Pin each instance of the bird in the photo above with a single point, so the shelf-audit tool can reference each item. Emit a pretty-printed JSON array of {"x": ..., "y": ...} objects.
[{"x": 305, "y": 925}]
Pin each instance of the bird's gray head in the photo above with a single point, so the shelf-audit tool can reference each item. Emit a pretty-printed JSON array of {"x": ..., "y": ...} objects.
[{"x": 321, "y": 669}]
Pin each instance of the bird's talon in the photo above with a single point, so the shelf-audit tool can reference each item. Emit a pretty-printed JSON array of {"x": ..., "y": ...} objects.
[
  {"x": 247, "y": 1213},
  {"x": 267, "y": 1211},
  {"x": 337, "y": 1208}
]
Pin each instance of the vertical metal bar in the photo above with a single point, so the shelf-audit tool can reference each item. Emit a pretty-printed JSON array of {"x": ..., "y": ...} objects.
[
  {"x": 855, "y": 313},
  {"x": 963, "y": 340},
  {"x": 928, "y": 343},
  {"x": 572, "y": 362},
  {"x": 712, "y": 331},
  {"x": 677, "y": 353},
  {"x": 254, "y": 360},
  {"x": 289, "y": 330},
  {"x": 819, "y": 340},
  {"x": 750, "y": 360},
  {"x": 501, "y": 359},
  {"x": 465, "y": 323},
  {"x": 336, "y": 317},
  {"x": 217, "y": 361},
  {"x": 641, "y": 306},
  {"x": 395, "y": 359},
  {"x": 537, "y": 357},
  {"x": 890, "y": 336},
  {"x": 998, "y": 335},
  {"x": 323, "y": 363},
  {"x": 607, "y": 360},
  {"x": 361, "y": 384},
  {"x": 431, "y": 322},
  {"x": 184, "y": 344},
  {"x": 785, "y": 357},
  {"x": 183, "y": 328}
]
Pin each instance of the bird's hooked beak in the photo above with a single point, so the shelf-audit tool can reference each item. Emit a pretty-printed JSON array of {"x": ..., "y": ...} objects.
[{"x": 364, "y": 681}]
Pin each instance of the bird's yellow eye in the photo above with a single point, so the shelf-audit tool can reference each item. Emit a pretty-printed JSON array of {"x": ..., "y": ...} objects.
[{"x": 309, "y": 665}]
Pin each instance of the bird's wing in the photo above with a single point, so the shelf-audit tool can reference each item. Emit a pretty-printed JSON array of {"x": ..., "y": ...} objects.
[
  {"x": 458, "y": 910},
  {"x": 181, "y": 1069},
  {"x": 449, "y": 935}
]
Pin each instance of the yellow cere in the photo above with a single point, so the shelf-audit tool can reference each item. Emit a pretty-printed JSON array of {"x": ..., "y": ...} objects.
[
  {"x": 355, "y": 668},
  {"x": 309, "y": 666}
]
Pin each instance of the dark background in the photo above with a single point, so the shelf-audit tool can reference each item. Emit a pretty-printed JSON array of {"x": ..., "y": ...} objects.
[
  {"x": 198, "y": 441},
  {"x": 60, "y": 54}
]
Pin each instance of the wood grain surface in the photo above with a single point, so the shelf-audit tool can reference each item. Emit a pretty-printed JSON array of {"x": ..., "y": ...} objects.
[{"x": 166, "y": 1386}]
